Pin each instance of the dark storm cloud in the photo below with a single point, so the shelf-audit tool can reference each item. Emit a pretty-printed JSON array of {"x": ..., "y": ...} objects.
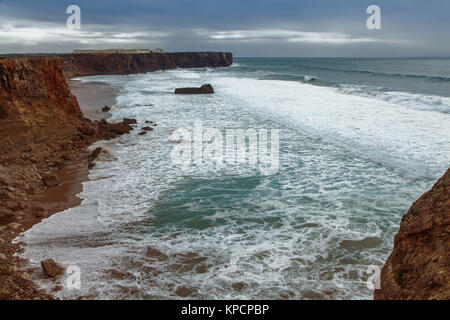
[{"x": 250, "y": 28}]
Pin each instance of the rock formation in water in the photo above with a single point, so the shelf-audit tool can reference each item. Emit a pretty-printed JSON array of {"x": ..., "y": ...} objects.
[
  {"x": 419, "y": 266},
  {"x": 79, "y": 65},
  {"x": 204, "y": 89}
]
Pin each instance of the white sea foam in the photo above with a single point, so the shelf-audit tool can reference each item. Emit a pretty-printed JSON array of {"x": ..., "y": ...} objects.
[{"x": 408, "y": 100}]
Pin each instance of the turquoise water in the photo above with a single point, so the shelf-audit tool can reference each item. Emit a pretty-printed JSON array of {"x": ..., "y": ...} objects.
[{"x": 360, "y": 140}]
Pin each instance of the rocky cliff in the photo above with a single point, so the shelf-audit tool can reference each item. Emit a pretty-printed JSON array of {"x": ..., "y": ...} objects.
[
  {"x": 419, "y": 266},
  {"x": 38, "y": 83},
  {"x": 42, "y": 130},
  {"x": 40, "y": 121},
  {"x": 77, "y": 65}
]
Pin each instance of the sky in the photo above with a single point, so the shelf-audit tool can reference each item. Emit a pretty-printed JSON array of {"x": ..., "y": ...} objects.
[{"x": 251, "y": 28}]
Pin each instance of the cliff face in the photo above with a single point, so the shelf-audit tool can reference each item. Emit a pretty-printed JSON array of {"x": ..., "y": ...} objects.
[
  {"x": 41, "y": 123},
  {"x": 34, "y": 95},
  {"x": 76, "y": 65},
  {"x": 419, "y": 266},
  {"x": 39, "y": 82}
]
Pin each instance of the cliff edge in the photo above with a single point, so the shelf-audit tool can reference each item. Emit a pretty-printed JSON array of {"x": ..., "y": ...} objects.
[
  {"x": 78, "y": 65},
  {"x": 419, "y": 266},
  {"x": 91, "y": 64}
]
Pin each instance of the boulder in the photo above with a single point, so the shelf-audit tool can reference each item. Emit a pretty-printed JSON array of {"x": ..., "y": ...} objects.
[
  {"x": 204, "y": 89},
  {"x": 185, "y": 291},
  {"x": 106, "y": 109},
  {"x": 129, "y": 121},
  {"x": 94, "y": 155},
  {"x": 50, "y": 181},
  {"x": 39, "y": 212},
  {"x": 147, "y": 128},
  {"x": 52, "y": 268}
]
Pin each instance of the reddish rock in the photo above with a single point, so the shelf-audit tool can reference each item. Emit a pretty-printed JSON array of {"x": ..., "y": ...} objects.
[
  {"x": 129, "y": 121},
  {"x": 14, "y": 225},
  {"x": 120, "y": 128},
  {"x": 419, "y": 266},
  {"x": 155, "y": 253},
  {"x": 40, "y": 212},
  {"x": 50, "y": 181},
  {"x": 239, "y": 286},
  {"x": 118, "y": 275},
  {"x": 77, "y": 65},
  {"x": 51, "y": 268},
  {"x": 185, "y": 291},
  {"x": 94, "y": 155},
  {"x": 147, "y": 128},
  {"x": 87, "y": 130}
]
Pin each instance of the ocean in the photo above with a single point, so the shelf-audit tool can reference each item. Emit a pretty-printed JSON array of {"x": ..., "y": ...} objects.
[{"x": 359, "y": 141}]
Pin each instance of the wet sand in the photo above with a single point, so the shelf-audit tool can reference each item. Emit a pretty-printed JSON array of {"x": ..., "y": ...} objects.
[{"x": 92, "y": 97}]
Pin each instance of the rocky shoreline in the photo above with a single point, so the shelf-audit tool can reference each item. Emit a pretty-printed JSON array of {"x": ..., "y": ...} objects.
[{"x": 44, "y": 140}]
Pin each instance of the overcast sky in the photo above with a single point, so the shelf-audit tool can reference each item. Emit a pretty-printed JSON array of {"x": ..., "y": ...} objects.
[{"x": 244, "y": 27}]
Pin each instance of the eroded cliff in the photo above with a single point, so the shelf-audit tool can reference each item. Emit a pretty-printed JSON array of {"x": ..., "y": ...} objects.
[
  {"x": 42, "y": 130},
  {"x": 419, "y": 266},
  {"x": 77, "y": 65}
]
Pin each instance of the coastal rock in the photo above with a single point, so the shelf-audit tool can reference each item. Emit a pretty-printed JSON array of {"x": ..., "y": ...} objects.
[
  {"x": 185, "y": 291},
  {"x": 106, "y": 109},
  {"x": 40, "y": 212},
  {"x": 204, "y": 89},
  {"x": 87, "y": 130},
  {"x": 239, "y": 286},
  {"x": 94, "y": 155},
  {"x": 120, "y": 128},
  {"x": 142, "y": 133},
  {"x": 419, "y": 267},
  {"x": 14, "y": 226},
  {"x": 156, "y": 254},
  {"x": 51, "y": 268},
  {"x": 129, "y": 121},
  {"x": 147, "y": 128},
  {"x": 50, "y": 181}
]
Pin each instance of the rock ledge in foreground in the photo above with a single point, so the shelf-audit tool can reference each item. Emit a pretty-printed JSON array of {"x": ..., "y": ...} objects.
[{"x": 419, "y": 266}]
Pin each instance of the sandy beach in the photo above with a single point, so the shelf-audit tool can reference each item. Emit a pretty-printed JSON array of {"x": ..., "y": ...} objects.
[{"x": 93, "y": 97}]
